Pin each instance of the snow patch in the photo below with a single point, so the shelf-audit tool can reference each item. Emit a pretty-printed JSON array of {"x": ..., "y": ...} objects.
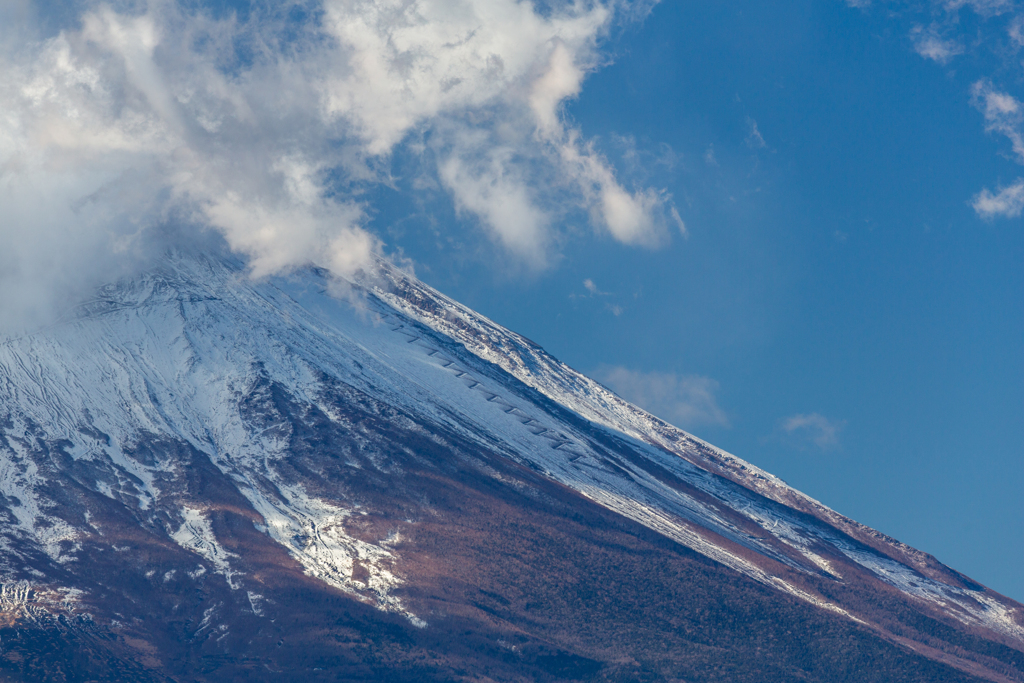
[
  {"x": 196, "y": 535},
  {"x": 313, "y": 531}
]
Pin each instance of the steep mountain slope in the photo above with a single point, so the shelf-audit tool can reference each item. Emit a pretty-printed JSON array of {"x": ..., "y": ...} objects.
[{"x": 207, "y": 477}]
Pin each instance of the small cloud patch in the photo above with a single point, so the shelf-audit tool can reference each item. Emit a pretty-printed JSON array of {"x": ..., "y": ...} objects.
[
  {"x": 1004, "y": 114},
  {"x": 684, "y": 400},
  {"x": 1006, "y": 203},
  {"x": 931, "y": 45},
  {"x": 709, "y": 156},
  {"x": 816, "y": 428}
]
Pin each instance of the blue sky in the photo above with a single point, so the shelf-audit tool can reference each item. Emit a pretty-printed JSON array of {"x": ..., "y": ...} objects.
[{"x": 790, "y": 228}]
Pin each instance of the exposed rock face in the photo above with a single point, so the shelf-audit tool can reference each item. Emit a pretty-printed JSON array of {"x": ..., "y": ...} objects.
[{"x": 203, "y": 478}]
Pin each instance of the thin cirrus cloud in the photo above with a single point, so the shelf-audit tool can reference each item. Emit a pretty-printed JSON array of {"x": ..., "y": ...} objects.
[
  {"x": 815, "y": 428},
  {"x": 687, "y": 401},
  {"x": 270, "y": 130}
]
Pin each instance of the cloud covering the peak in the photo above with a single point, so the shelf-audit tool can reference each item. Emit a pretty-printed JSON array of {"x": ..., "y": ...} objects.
[{"x": 142, "y": 118}]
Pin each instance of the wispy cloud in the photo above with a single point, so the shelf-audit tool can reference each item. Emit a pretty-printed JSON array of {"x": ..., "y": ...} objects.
[
  {"x": 754, "y": 138},
  {"x": 1003, "y": 113},
  {"x": 815, "y": 428},
  {"x": 687, "y": 401},
  {"x": 1007, "y": 202},
  {"x": 982, "y": 7},
  {"x": 270, "y": 130},
  {"x": 1016, "y": 31},
  {"x": 679, "y": 222},
  {"x": 709, "y": 156},
  {"x": 593, "y": 289},
  {"x": 930, "y": 44}
]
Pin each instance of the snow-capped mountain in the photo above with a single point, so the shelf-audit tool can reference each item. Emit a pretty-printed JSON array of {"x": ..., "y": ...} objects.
[{"x": 204, "y": 476}]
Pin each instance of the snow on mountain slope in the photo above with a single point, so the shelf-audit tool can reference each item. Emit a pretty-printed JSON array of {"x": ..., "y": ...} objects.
[
  {"x": 896, "y": 563},
  {"x": 195, "y": 354}
]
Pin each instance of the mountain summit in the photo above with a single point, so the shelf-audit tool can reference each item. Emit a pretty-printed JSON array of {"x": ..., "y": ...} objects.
[{"x": 210, "y": 478}]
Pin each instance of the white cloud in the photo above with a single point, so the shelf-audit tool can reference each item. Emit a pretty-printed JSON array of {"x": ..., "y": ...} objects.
[
  {"x": 630, "y": 217},
  {"x": 495, "y": 190},
  {"x": 935, "y": 48},
  {"x": 1007, "y": 202},
  {"x": 818, "y": 429},
  {"x": 685, "y": 400},
  {"x": 931, "y": 45},
  {"x": 489, "y": 77},
  {"x": 1004, "y": 114},
  {"x": 133, "y": 121}
]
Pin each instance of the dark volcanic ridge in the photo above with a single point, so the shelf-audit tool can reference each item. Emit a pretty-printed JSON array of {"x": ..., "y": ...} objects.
[{"x": 206, "y": 478}]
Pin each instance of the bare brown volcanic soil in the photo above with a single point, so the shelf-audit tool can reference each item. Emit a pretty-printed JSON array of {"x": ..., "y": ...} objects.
[{"x": 206, "y": 479}]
